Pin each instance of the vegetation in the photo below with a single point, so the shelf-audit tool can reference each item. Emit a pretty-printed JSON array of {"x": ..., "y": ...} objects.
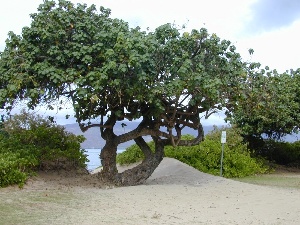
[
  {"x": 29, "y": 142},
  {"x": 166, "y": 78},
  {"x": 268, "y": 110},
  {"x": 285, "y": 180},
  {"x": 206, "y": 156},
  {"x": 279, "y": 152},
  {"x": 270, "y": 104},
  {"x": 106, "y": 70}
]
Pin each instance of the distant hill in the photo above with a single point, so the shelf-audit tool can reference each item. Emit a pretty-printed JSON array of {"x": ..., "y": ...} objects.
[{"x": 94, "y": 140}]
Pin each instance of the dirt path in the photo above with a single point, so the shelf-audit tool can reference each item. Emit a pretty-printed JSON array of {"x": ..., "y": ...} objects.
[{"x": 175, "y": 194}]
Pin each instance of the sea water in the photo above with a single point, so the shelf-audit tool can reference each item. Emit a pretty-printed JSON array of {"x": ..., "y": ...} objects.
[{"x": 93, "y": 156}]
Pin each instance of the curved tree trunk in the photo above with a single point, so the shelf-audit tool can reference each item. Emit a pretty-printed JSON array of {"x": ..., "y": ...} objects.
[
  {"x": 143, "y": 171},
  {"x": 108, "y": 161},
  {"x": 136, "y": 175}
]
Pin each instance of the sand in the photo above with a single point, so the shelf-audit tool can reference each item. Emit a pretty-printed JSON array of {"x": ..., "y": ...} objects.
[{"x": 175, "y": 194}]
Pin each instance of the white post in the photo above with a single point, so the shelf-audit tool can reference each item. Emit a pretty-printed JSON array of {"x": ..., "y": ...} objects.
[{"x": 223, "y": 141}]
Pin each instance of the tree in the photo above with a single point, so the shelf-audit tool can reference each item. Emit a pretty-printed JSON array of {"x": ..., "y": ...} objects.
[
  {"x": 109, "y": 71},
  {"x": 270, "y": 104}
]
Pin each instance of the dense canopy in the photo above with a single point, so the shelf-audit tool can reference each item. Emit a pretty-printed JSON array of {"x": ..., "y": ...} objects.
[
  {"x": 164, "y": 78},
  {"x": 270, "y": 104}
]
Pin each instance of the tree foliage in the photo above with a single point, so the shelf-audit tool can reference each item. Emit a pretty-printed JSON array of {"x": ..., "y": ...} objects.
[
  {"x": 279, "y": 152},
  {"x": 270, "y": 104},
  {"x": 107, "y": 70}
]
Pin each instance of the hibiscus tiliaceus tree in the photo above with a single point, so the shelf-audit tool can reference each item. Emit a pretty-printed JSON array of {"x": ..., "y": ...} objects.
[
  {"x": 111, "y": 72},
  {"x": 270, "y": 104}
]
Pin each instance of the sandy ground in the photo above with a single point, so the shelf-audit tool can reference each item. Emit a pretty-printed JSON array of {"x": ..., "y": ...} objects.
[{"x": 175, "y": 194}]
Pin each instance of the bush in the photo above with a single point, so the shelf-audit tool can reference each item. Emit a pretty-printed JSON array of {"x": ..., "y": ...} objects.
[
  {"x": 283, "y": 153},
  {"x": 14, "y": 168},
  {"x": 205, "y": 157},
  {"x": 29, "y": 142}
]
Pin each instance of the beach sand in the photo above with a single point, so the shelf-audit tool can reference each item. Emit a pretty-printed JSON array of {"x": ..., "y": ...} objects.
[{"x": 175, "y": 194}]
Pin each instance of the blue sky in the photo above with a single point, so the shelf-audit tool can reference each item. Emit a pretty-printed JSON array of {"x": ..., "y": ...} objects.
[{"x": 270, "y": 27}]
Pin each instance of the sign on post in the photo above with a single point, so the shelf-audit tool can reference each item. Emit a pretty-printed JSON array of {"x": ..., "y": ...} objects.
[
  {"x": 223, "y": 141},
  {"x": 223, "y": 137}
]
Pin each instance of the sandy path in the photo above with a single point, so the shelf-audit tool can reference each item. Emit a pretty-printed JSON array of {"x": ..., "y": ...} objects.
[{"x": 175, "y": 194}]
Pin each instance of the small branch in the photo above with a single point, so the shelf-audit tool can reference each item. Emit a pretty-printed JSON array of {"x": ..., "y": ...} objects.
[
  {"x": 101, "y": 128},
  {"x": 86, "y": 127},
  {"x": 208, "y": 114},
  {"x": 186, "y": 113},
  {"x": 172, "y": 137},
  {"x": 184, "y": 99},
  {"x": 141, "y": 130},
  {"x": 187, "y": 124},
  {"x": 178, "y": 131},
  {"x": 195, "y": 141}
]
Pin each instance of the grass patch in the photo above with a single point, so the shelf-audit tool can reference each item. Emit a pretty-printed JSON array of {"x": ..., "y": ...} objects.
[
  {"x": 274, "y": 180},
  {"x": 22, "y": 207}
]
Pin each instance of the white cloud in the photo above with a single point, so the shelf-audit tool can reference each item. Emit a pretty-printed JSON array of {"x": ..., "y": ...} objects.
[
  {"x": 222, "y": 17},
  {"x": 268, "y": 15},
  {"x": 59, "y": 112},
  {"x": 14, "y": 15},
  {"x": 215, "y": 119},
  {"x": 278, "y": 49}
]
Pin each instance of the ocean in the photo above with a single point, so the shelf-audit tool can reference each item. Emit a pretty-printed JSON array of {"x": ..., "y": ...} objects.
[{"x": 93, "y": 156}]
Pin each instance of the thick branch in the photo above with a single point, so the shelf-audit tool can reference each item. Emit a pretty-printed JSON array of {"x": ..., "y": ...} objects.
[
  {"x": 86, "y": 127},
  {"x": 143, "y": 146},
  {"x": 138, "y": 132},
  {"x": 110, "y": 122}
]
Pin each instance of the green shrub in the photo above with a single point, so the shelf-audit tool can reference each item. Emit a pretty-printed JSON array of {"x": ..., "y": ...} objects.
[
  {"x": 132, "y": 154},
  {"x": 29, "y": 142},
  {"x": 205, "y": 157},
  {"x": 14, "y": 168},
  {"x": 283, "y": 153}
]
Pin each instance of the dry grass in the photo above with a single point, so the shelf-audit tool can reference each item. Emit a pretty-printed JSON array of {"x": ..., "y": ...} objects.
[{"x": 282, "y": 177}]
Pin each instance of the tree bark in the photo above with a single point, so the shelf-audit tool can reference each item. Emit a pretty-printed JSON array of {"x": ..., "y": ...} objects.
[
  {"x": 136, "y": 175},
  {"x": 143, "y": 171},
  {"x": 108, "y": 161}
]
